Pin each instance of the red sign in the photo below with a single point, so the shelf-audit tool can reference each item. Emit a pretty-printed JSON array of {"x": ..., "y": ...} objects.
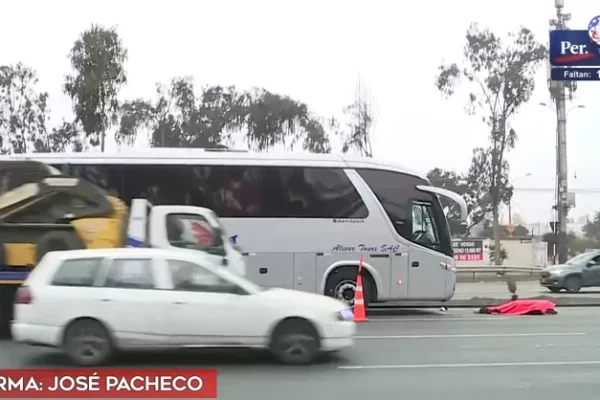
[
  {"x": 468, "y": 257},
  {"x": 108, "y": 383},
  {"x": 468, "y": 250}
]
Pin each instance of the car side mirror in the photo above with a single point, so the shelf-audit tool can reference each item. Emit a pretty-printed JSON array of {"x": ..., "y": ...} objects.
[{"x": 590, "y": 264}]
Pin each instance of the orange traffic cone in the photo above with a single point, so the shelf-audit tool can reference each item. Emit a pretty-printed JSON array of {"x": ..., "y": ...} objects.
[{"x": 360, "y": 313}]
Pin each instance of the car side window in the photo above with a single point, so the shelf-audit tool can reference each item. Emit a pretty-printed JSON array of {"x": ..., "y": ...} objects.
[
  {"x": 192, "y": 277},
  {"x": 596, "y": 260},
  {"x": 80, "y": 272},
  {"x": 130, "y": 273}
]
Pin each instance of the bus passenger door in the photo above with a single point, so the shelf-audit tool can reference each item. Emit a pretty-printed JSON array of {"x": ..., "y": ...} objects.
[
  {"x": 270, "y": 270},
  {"x": 427, "y": 268}
]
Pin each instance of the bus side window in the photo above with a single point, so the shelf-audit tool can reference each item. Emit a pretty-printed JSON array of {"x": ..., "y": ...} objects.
[
  {"x": 159, "y": 184},
  {"x": 331, "y": 194},
  {"x": 393, "y": 190}
]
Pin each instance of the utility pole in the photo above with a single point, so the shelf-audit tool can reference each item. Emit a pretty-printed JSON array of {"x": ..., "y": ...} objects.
[{"x": 558, "y": 92}]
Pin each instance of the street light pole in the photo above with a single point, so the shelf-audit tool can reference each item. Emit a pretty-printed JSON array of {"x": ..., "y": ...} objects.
[
  {"x": 558, "y": 91},
  {"x": 557, "y": 200}
]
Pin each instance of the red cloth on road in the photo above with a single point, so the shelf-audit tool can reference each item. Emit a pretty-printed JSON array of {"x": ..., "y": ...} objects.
[{"x": 524, "y": 307}]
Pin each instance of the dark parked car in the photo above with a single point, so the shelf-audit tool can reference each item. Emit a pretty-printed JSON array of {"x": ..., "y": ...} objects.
[{"x": 580, "y": 271}]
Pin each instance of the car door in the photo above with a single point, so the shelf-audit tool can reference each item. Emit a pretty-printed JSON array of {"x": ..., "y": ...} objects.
[
  {"x": 591, "y": 272},
  {"x": 72, "y": 292},
  {"x": 208, "y": 310},
  {"x": 133, "y": 302}
]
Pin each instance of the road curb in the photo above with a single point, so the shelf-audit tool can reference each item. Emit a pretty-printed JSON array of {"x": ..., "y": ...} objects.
[{"x": 560, "y": 301}]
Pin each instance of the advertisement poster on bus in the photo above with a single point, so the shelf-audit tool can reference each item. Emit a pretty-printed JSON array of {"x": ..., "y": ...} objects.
[{"x": 468, "y": 250}]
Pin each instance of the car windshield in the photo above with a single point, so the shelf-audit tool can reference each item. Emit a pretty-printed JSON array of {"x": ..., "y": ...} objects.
[
  {"x": 218, "y": 224},
  {"x": 578, "y": 259}
]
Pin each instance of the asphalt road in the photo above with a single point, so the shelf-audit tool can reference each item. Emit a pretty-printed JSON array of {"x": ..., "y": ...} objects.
[
  {"x": 453, "y": 355},
  {"x": 468, "y": 290}
]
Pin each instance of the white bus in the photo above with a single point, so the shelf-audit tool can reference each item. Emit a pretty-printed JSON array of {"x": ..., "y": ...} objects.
[{"x": 301, "y": 221}]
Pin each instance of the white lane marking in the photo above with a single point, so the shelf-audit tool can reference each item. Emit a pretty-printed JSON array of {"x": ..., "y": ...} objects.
[
  {"x": 539, "y": 347},
  {"x": 472, "y": 335},
  {"x": 475, "y": 365}
]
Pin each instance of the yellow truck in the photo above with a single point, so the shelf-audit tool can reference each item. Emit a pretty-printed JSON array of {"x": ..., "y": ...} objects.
[{"x": 42, "y": 210}]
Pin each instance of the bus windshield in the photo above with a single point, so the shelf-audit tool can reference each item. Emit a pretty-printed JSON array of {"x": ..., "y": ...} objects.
[
  {"x": 415, "y": 214},
  {"x": 425, "y": 231}
]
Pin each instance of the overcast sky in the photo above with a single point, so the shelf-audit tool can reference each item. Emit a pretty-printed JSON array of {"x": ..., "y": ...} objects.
[{"x": 315, "y": 51}]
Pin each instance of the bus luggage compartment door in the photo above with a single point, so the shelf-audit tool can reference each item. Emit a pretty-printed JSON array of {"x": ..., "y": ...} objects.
[
  {"x": 305, "y": 272},
  {"x": 270, "y": 269},
  {"x": 399, "y": 276}
]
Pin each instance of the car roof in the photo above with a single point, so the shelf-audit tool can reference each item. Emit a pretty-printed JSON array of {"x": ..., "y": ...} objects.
[
  {"x": 587, "y": 253},
  {"x": 184, "y": 254}
]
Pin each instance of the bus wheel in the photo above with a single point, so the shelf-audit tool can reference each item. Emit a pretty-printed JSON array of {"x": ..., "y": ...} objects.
[{"x": 341, "y": 284}]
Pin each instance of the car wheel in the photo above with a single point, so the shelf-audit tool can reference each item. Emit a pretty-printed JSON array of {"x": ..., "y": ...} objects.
[
  {"x": 295, "y": 342},
  {"x": 341, "y": 285},
  {"x": 573, "y": 284},
  {"x": 88, "y": 343},
  {"x": 555, "y": 289}
]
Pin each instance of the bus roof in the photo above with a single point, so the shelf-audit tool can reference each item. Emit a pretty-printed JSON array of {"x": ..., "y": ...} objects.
[{"x": 186, "y": 156}]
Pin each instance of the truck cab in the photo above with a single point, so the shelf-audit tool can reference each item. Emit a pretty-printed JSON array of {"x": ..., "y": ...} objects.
[{"x": 185, "y": 228}]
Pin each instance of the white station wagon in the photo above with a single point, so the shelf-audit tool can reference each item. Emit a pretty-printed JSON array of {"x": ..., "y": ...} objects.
[{"x": 94, "y": 303}]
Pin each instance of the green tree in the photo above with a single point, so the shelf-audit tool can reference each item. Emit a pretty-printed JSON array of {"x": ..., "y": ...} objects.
[
  {"x": 472, "y": 189},
  {"x": 273, "y": 119},
  {"x": 479, "y": 183},
  {"x": 180, "y": 118},
  {"x": 579, "y": 245},
  {"x": 576, "y": 245},
  {"x": 520, "y": 231},
  {"x": 501, "y": 78},
  {"x": 358, "y": 134},
  {"x": 23, "y": 110},
  {"x": 65, "y": 137},
  {"x": 457, "y": 183},
  {"x": 97, "y": 59},
  {"x": 591, "y": 229}
]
